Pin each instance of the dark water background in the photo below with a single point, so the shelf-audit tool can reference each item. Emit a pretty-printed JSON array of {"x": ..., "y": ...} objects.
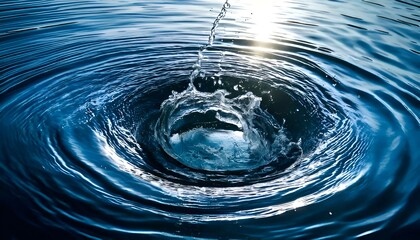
[{"x": 81, "y": 87}]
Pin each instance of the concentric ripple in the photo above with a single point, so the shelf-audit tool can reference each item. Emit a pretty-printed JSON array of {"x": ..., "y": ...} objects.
[{"x": 105, "y": 136}]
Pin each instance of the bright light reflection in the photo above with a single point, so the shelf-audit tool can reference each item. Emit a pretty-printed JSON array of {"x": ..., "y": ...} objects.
[{"x": 263, "y": 18}]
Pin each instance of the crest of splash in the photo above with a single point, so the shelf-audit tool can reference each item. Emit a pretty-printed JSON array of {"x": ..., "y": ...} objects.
[{"x": 210, "y": 131}]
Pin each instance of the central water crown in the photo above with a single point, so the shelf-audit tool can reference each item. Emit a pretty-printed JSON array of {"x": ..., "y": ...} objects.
[{"x": 209, "y": 131}]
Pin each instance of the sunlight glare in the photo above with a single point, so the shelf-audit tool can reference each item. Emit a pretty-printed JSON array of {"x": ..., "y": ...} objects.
[{"x": 263, "y": 19}]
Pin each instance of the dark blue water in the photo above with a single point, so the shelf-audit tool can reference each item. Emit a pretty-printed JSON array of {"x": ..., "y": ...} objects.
[{"x": 298, "y": 120}]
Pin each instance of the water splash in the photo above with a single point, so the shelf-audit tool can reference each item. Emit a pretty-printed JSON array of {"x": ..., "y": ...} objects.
[
  {"x": 212, "y": 132},
  {"x": 215, "y": 132}
]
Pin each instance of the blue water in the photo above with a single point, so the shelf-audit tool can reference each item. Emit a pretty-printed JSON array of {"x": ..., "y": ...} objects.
[{"x": 123, "y": 120}]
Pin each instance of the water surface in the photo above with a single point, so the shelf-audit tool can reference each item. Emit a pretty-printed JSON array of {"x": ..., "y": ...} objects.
[{"x": 301, "y": 119}]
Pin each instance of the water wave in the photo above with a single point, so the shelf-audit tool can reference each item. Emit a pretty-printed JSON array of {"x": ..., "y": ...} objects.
[{"x": 106, "y": 135}]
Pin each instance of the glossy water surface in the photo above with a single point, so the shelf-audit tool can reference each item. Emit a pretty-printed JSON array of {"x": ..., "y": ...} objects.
[{"x": 123, "y": 120}]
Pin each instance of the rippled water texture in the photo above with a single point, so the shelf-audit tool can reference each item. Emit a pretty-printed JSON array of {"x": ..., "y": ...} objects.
[{"x": 300, "y": 120}]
